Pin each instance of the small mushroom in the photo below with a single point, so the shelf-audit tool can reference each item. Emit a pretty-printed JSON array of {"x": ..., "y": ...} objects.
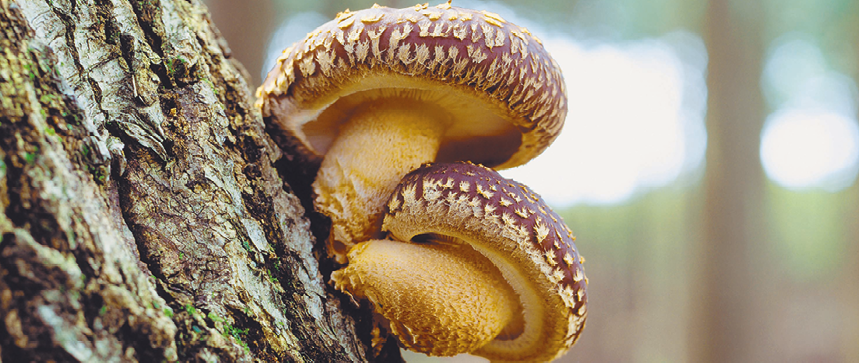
[
  {"x": 467, "y": 240},
  {"x": 376, "y": 93}
]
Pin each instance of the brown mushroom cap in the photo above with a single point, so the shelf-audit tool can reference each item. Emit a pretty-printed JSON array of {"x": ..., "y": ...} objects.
[
  {"x": 513, "y": 229},
  {"x": 504, "y": 92}
]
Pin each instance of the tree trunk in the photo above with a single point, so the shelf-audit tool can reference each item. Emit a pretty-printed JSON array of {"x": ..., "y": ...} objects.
[
  {"x": 734, "y": 279},
  {"x": 143, "y": 219}
]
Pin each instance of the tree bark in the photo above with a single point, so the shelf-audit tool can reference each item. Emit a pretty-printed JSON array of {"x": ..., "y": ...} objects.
[
  {"x": 143, "y": 219},
  {"x": 734, "y": 281}
]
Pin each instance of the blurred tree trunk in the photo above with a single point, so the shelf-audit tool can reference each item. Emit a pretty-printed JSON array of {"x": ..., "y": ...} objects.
[
  {"x": 848, "y": 282},
  {"x": 142, "y": 219},
  {"x": 246, "y": 25},
  {"x": 851, "y": 271},
  {"x": 729, "y": 315}
]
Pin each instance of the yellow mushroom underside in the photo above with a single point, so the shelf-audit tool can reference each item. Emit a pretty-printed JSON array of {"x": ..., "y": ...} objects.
[
  {"x": 383, "y": 141},
  {"x": 438, "y": 298}
]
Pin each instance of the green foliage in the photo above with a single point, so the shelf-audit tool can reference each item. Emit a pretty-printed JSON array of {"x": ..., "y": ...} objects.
[
  {"x": 272, "y": 278},
  {"x": 30, "y": 157},
  {"x": 238, "y": 334},
  {"x": 228, "y": 330},
  {"x": 215, "y": 318},
  {"x": 190, "y": 309}
]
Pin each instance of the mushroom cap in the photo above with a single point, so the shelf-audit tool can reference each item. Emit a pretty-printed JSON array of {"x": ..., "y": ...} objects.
[
  {"x": 504, "y": 92},
  {"x": 514, "y": 229}
]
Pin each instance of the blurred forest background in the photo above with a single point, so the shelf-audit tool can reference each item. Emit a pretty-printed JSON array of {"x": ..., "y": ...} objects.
[{"x": 708, "y": 166}]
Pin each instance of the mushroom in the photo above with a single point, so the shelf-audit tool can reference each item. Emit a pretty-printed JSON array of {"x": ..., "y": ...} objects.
[
  {"x": 376, "y": 93},
  {"x": 465, "y": 241}
]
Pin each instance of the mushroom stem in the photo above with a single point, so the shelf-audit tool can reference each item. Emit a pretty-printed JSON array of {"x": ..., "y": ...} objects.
[
  {"x": 439, "y": 299},
  {"x": 381, "y": 142}
]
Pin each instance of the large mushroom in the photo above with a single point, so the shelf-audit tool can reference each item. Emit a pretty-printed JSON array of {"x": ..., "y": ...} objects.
[
  {"x": 375, "y": 93},
  {"x": 478, "y": 264}
]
